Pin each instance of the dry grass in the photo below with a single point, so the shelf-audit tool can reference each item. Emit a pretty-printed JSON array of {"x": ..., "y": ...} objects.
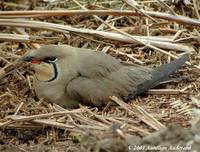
[{"x": 145, "y": 38}]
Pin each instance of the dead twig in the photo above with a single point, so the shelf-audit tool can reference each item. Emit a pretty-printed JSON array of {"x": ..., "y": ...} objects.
[
  {"x": 38, "y": 13},
  {"x": 140, "y": 113}
]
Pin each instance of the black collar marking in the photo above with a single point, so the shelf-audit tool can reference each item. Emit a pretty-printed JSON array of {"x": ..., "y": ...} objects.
[{"x": 55, "y": 71}]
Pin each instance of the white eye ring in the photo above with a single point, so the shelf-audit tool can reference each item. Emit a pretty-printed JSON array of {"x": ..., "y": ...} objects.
[
  {"x": 53, "y": 60},
  {"x": 50, "y": 59}
]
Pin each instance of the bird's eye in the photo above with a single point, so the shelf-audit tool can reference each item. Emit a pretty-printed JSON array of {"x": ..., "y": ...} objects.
[{"x": 50, "y": 59}]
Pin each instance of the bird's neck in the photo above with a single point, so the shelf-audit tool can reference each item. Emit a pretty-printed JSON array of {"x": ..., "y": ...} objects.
[{"x": 66, "y": 70}]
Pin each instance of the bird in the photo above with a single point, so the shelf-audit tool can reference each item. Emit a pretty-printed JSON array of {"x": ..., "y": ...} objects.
[{"x": 70, "y": 76}]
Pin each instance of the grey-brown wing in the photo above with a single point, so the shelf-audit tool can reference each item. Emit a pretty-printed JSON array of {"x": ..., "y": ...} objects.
[
  {"x": 93, "y": 64},
  {"x": 124, "y": 81},
  {"x": 96, "y": 91}
]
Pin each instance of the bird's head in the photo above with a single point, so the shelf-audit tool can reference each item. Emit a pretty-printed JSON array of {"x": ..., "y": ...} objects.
[
  {"x": 46, "y": 60},
  {"x": 47, "y": 54}
]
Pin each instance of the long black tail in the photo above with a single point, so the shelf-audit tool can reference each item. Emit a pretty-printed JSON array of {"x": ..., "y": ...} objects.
[{"x": 161, "y": 73}]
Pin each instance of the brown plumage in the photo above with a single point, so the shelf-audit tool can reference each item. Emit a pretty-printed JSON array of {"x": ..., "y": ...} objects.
[{"x": 69, "y": 76}]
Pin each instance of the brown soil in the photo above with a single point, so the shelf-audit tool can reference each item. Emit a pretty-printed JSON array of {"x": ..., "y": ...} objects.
[{"x": 128, "y": 127}]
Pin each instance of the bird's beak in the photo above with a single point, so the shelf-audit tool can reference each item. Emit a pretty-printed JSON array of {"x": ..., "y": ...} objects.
[
  {"x": 27, "y": 58},
  {"x": 31, "y": 59}
]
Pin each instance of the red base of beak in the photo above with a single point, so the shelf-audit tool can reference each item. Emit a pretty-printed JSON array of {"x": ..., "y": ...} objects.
[{"x": 35, "y": 61}]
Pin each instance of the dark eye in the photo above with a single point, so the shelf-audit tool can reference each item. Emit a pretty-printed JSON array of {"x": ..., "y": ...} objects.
[{"x": 50, "y": 59}]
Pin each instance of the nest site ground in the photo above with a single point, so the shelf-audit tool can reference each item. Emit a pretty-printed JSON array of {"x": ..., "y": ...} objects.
[{"x": 28, "y": 120}]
